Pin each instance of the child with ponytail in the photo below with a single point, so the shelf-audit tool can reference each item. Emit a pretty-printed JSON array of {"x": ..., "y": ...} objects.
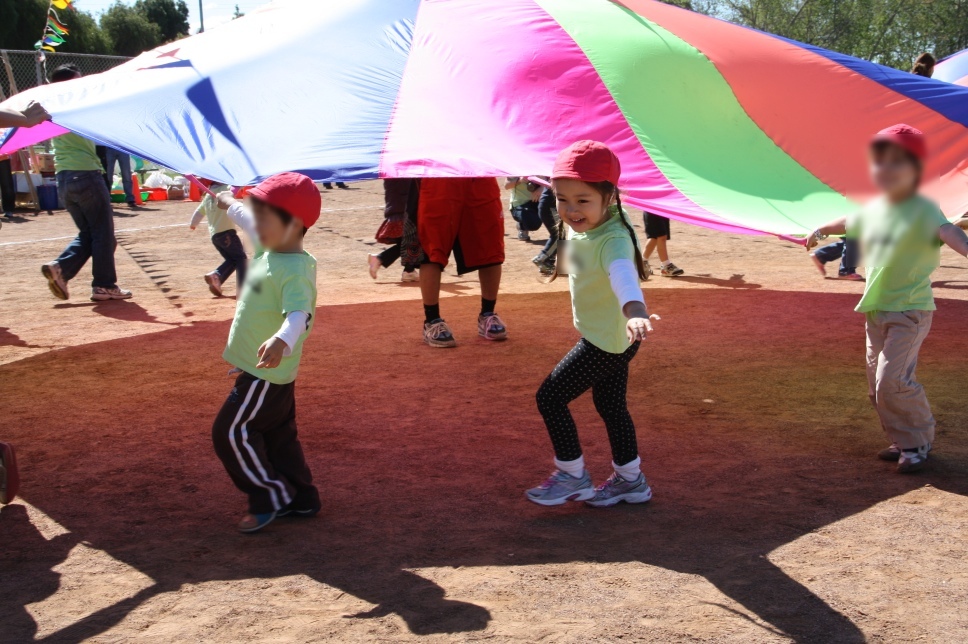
[{"x": 604, "y": 267}]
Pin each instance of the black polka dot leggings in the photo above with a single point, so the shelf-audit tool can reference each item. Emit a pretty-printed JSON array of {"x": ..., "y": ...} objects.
[{"x": 607, "y": 375}]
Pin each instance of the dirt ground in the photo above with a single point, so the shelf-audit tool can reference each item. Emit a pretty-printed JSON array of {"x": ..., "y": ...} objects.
[{"x": 772, "y": 521}]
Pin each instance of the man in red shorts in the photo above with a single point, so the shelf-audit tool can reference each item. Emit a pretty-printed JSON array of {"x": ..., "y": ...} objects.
[{"x": 463, "y": 216}]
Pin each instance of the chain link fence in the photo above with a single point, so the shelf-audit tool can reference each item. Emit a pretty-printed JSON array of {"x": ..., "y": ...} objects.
[{"x": 27, "y": 72}]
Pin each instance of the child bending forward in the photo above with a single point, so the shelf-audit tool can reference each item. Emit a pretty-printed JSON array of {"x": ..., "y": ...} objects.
[
  {"x": 604, "y": 267},
  {"x": 255, "y": 431}
]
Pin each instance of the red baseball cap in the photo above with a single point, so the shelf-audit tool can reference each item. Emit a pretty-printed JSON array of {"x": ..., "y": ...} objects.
[
  {"x": 293, "y": 192},
  {"x": 588, "y": 161},
  {"x": 906, "y": 137}
]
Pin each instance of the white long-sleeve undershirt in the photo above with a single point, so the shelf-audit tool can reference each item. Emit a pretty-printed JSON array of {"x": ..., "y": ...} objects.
[
  {"x": 625, "y": 282},
  {"x": 239, "y": 214},
  {"x": 295, "y": 324}
]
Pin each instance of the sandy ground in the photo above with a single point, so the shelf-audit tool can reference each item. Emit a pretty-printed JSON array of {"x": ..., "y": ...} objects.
[{"x": 771, "y": 522}]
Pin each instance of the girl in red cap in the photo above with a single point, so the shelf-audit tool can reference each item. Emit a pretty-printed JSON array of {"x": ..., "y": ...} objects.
[
  {"x": 900, "y": 233},
  {"x": 604, "y": 267},
  {"x": 255, "y": 431}
]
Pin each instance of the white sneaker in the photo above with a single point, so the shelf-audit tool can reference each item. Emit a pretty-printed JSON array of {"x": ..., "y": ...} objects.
[
  {"x": 101, "y": 294},
  {"x": 410, "y": 276},
  {"x": 214, "y": 283},
  {"x": 55, "y": 280}
]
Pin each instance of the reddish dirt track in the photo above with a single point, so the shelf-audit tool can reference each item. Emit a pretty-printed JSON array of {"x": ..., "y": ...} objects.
[{"x": 771, "y": 522}]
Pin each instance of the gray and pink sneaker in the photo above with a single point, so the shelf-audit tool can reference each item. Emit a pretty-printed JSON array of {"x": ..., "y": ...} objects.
[{"x": 616, "y": 489}]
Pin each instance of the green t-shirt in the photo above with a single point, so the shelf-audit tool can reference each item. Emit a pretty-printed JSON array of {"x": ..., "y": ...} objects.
[
  {"x": 276, "y": 284},
  {"x": 901, "y": 248},
  {"x": 520, "y": 194},
  {"x": 598, "y": 315},
  {"x": 218, "y": 220},
  {"x": 73, "y": 152}
]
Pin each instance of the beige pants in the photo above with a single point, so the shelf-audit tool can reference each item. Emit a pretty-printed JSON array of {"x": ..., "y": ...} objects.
[{"x": 893, "y": 342}]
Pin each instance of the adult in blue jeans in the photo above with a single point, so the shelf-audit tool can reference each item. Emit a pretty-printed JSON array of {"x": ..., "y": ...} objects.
[{"x": 86, "y": 197}]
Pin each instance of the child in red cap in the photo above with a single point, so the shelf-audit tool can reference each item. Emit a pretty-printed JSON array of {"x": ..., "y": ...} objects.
[
  {"x": 900, "y": 233},
  {"x": 604, "y": 266},
  {"x": 255, "y": 431}
]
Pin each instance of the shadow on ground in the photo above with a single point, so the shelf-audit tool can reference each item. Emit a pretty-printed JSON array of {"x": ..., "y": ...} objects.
[{"x": 423, "y": 455}]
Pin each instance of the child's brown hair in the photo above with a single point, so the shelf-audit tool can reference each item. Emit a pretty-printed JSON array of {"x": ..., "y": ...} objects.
[
  {"x": 608, "y": 190},
  {"x": 924, "y": 65}
]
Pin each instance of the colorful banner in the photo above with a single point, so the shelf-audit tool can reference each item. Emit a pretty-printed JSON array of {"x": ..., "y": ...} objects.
[{"x": 54, "y": 30}]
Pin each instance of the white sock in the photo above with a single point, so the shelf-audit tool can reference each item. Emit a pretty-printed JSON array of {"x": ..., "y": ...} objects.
[
  {"x": 574, "y": 468},
  {"x": 631, "y": 470},
  {"x": 666, "y": 263}
]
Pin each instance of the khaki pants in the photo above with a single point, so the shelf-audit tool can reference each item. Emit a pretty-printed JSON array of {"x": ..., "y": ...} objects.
[{"x": 893, "y": 341}]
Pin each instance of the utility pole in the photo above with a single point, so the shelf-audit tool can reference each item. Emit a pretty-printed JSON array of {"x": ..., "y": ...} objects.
[{"x": 201, "y": 18}]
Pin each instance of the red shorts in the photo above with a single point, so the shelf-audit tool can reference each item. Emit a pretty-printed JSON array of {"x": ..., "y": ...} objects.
[{"x": 464, "y": 216}]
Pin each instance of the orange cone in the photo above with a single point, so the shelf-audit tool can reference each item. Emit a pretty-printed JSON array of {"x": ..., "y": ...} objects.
[{"x": 136, "y": 184}]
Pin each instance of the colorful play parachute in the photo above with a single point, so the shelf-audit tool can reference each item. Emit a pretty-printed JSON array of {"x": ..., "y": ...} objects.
[
  {"x": 953, "y": 69},
  {"x": 715, "y": 124}
]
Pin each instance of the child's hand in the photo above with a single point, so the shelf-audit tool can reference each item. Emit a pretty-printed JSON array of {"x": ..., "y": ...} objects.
[
  {"x": 225, "y": 199},
  {"x": 638, "y": 328},
  {"x": 271, "y": 352}
]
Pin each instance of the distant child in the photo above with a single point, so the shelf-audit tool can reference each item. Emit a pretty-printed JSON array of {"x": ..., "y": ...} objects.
[
  {"x": 604, "y": 267},
  {"x": 658, "y": 232},
  {"x": 400, "y": 202},
  {"x": 901, "y": 234},
  {"x": 844, "y": 251},
  {"x": 224, "y": 238},
  {"x": 255, "y": 432}
]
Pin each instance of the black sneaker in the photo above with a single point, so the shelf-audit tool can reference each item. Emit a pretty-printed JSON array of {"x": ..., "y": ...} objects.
[
  {"x": 299, "y": 513},
  {"x": 438, "y": 334}
]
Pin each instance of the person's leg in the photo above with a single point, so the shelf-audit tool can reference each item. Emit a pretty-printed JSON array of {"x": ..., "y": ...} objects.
[
  {"x": 830, "y": 253},
  {"x": 650, "y": 245},
  {"x": 609, "y": 395},
  {"x": 490, "y": 279},
  {"x": 437, "y": 225},
  {"x": 850, "y": 258},
  {"x": 389, "y": 255},
  {"x": 253, "y": 408},
  {"x": 95, "y": 203},
  {"x": 546, "y": 210},
  {"x": 124, "y": 162},
  {"x": 430, "y": 289},
  {"x": 285, "y": 452},
  {"x": 229, "y": 246},
  {"x": 8, "y": 190},
  {"x": 662, "y": 249},
  {"x": 899, "y": 398},
  {"x": 76, "y": 254}
]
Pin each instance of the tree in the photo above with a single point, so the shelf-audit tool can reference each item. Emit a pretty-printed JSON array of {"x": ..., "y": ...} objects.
[
  {"x": 170, "y": 16},
  {"x": 22, "y": 23},
  {"x": 237, "y": 14},
  {"x": 129, "y": 31},
  {"x": 85, "y": 35}
]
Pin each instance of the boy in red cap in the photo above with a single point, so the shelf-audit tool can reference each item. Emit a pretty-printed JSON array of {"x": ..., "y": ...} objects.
[
  {"x": 901, "y": 233},
  {"x": 255, "y": 431},
  {"x": 604, "y": 266}
]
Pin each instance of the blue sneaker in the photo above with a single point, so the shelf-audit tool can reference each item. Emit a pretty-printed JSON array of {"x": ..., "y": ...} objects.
[
  {"x": 438, "y": 334},
  {"x": 616, "y": 489},
  {"x": 255, "y": 522},
  {"x": 560, "y": 488}
]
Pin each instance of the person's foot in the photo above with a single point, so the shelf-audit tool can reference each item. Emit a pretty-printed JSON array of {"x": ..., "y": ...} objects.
[
  {"x": 8, "y": 214},
  {"x": 292, "y": 510},
  {"x": 214, "y": 283},
  {"x": 328, "y": 186},
  {"x": 55, "y": 280},
  {"x": 542, "y": 257},
  {"x": 648, "y": 268},
  {"x": 102, "y": 294},
  {"x": 893, "y": 453},
  {"x": 851, "y": 277},
  {"x": 342, "y": 186},
  {"x": 913, "y": 460},
  {"x": 132, "y": 204},
  {"x": 819, "y": 264},
  {"x": 410, "y": 276},
  {"x": 490, "y": 327},
  {"x": 671, "y": 270},
  {"x": 561, "y": 487},
  {"x": 962, "y": 222},
  {"x": 616, "y": 489},
  {"x": 547, "y": 268},
  {"x": 524, "y": 236},
  {"x": 437, "y": 334},
  {"x": 255, "y": 522},
  {"x": 374, "y": 264}
]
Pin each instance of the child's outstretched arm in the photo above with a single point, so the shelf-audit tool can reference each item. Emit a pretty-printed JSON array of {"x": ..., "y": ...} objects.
[
  {"x": 835, "y": 227},
  {"x": 237, "y": 212},
  {"x": 197, "y": 217},
  {"x": 954, "y": 237},
  {"x": 281, "y": 344},
  {"x": 625, "y": 284}
]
